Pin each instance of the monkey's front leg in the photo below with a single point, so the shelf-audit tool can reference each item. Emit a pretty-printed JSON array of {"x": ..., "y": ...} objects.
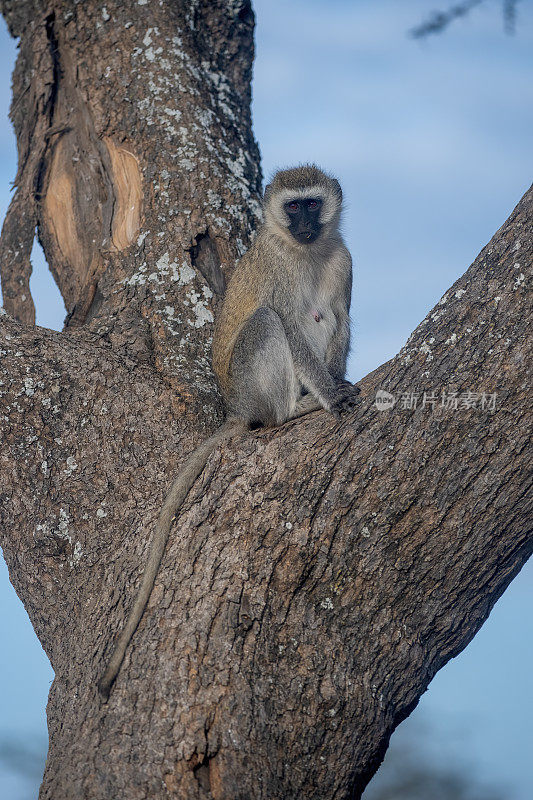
[
  {"x": 338, "y": 347},
  {"x": 313, "y": 373},
  {"x": 306, "y": 405},
  {"x": 336, "y": 357}
]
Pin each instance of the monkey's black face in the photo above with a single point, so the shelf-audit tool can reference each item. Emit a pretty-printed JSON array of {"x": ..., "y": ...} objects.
[{"x": 304, "y": 214}]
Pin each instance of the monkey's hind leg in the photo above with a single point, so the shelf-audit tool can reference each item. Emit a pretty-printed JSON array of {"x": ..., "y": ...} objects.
[{"x": 266, "y": 388}]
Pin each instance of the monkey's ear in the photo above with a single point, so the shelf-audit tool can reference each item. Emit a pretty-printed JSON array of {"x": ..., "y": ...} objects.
[{"x": 337, "y": 188}]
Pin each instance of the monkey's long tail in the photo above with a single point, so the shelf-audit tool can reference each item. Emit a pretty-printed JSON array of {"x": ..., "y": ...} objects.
[{"x": 177, "y": 494}]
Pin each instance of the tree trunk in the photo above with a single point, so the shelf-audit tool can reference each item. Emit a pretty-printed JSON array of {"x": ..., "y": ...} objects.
[{"x": 320, "y": 573}]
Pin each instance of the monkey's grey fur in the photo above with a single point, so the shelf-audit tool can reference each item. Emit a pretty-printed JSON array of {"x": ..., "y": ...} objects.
[{"x": 280, "y": 343}]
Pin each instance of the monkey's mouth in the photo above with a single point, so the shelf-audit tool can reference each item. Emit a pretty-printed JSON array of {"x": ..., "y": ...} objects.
[{"x": 305, "y": 237}]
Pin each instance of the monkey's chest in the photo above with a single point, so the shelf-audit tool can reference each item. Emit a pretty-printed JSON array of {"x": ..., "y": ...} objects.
[{"x": 318, "y": 325}]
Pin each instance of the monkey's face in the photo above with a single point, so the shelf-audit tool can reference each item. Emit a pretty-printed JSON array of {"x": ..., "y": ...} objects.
[{"x": 304, "y": 218}]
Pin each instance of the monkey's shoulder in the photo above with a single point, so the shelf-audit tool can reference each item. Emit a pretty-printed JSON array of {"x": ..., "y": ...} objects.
[
  {"x": 340, "y": 257},
  {"x": 338, "y": 269}
]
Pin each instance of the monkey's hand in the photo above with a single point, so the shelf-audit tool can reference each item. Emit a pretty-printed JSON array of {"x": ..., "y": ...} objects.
[{"x": 346, "y": 397}]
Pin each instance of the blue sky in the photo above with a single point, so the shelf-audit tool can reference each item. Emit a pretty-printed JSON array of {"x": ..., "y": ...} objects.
[{"x": 432, "y": 143}]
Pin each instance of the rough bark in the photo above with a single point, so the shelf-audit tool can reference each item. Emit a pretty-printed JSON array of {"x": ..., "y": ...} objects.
[{"x": 319, "y": 574}]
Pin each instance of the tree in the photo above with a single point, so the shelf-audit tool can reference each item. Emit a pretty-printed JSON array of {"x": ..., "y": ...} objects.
[{"x": 319, "y": 574}]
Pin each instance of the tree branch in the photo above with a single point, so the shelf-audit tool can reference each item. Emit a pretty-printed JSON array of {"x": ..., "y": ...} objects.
[
  {"x": 320, "y": 574},
  {"x": 438, "y": 21},
  {"x": 139, "y": 255},
  {"x": 16, "y": 244}
]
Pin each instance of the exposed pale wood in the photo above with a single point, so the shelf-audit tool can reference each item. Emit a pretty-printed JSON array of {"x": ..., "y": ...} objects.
[{"x": 128, "y": 195}]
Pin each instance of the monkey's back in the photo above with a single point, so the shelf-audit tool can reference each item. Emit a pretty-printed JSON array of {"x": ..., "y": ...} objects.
[{"x": 240, "y": 302}]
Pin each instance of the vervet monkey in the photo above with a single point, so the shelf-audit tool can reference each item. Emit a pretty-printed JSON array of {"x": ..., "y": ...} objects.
[{"x": 280, "y": 342}]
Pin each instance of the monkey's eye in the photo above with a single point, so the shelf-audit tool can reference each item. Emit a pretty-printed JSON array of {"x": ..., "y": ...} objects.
[
  {"x": 293, "y": 207},
  {"x": 313, "y": 204}
]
